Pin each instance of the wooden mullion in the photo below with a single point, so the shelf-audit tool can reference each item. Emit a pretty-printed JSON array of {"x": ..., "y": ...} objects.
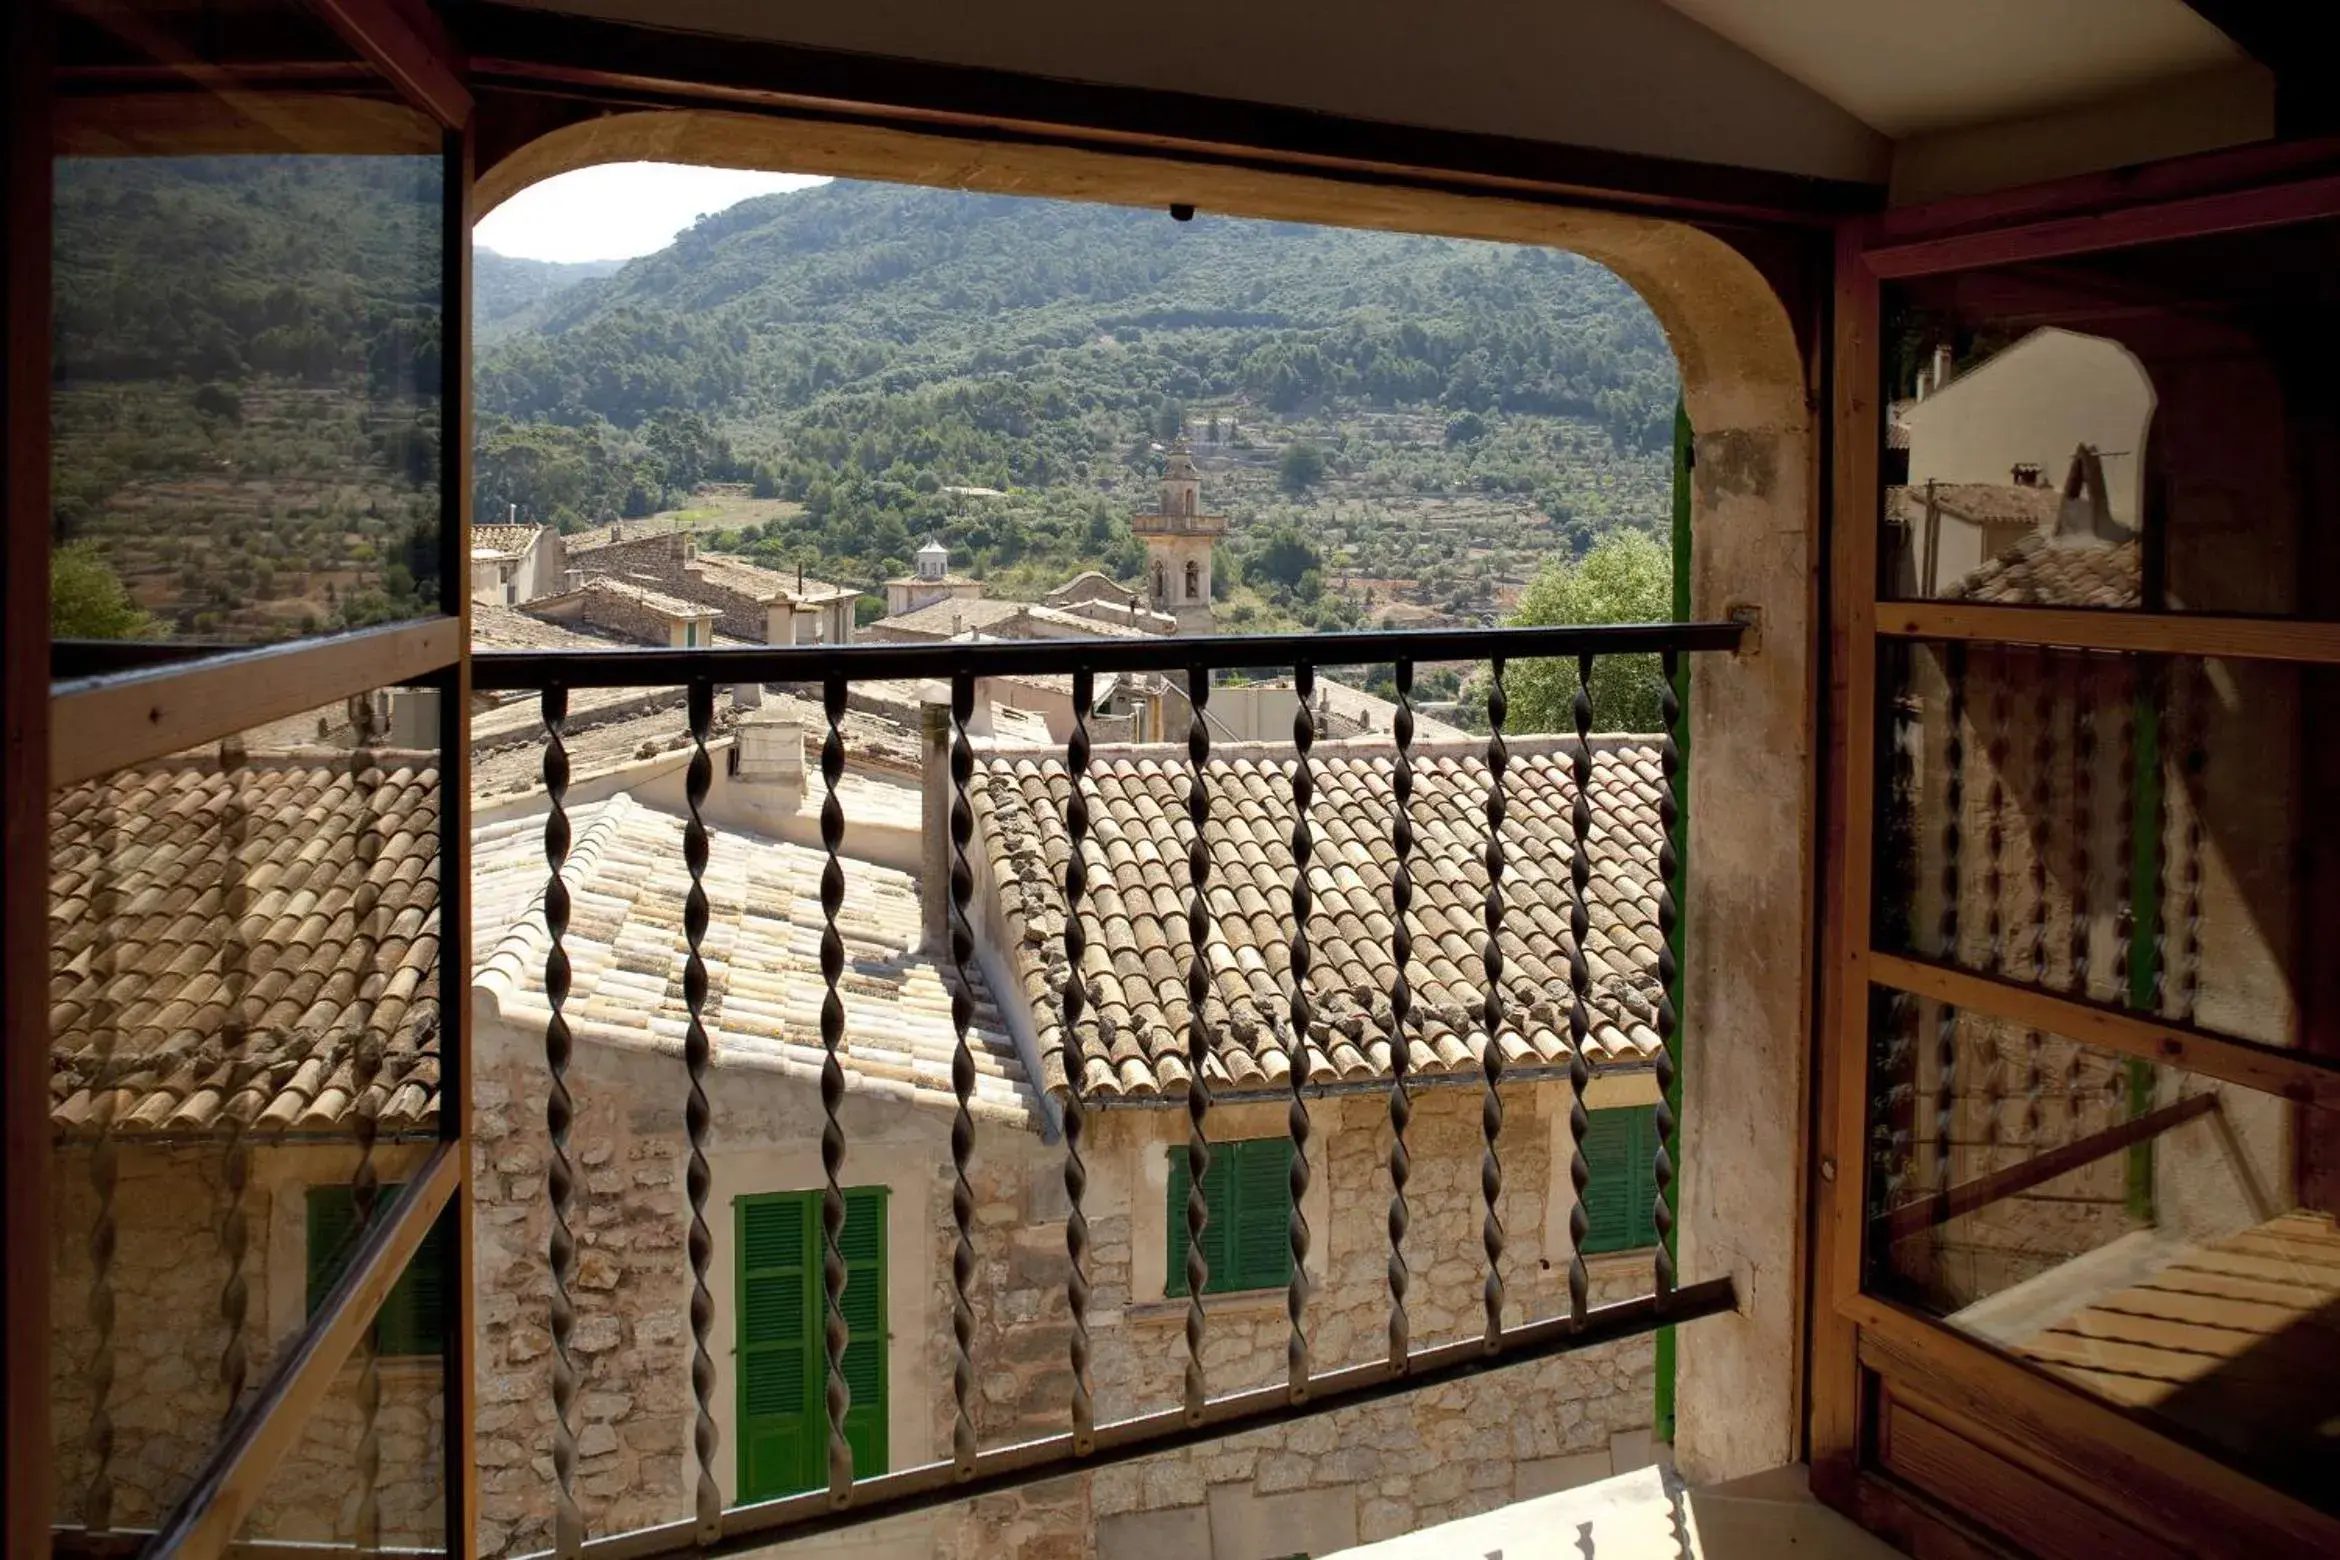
[
  {"x": 212, "y": 1513},
  {"x": 2091, "y": 628},
  {"x": 1848, "y": 795},
  {"x": 109, "y": 723},
  {"x": 2130, "y": 1464},
  {"x": 461, "y": 1487},
  {"x": 2297, "y": 1076},
  {"x": 24, "y": 790}
]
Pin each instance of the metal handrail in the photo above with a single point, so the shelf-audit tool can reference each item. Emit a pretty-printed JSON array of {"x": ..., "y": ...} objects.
[{"x": 518, "y": 670}]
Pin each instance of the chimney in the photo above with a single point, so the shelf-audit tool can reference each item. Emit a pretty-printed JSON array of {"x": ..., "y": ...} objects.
[
  {"x": 514, "y": 517},
  {"x": 767, "y": 749},
  {"x": 934, "y": 837},
  {"x": 1942, "y": 367}
]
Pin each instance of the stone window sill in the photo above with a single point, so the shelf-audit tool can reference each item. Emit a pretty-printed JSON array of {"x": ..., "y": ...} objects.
[{"x": 1236, "y": 1302}]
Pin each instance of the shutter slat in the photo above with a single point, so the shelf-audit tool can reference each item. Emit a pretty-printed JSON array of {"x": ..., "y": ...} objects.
[
  {"x": 862, "y": 1243},
  {"x": 1261, "y": 1228},
  {"x": 779, "y": 1443}
]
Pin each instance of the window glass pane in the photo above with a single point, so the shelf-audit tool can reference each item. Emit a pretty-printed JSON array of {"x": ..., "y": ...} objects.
[
  {"x": 321, "y": 1492},
  {"x": 244, "y": 990},
  {"x": 2147, "y": 428},
  {"x": 246, "y": 373},
  {"x": 2156, "y": 1239},
  {"x": 2126, "y": 829}
]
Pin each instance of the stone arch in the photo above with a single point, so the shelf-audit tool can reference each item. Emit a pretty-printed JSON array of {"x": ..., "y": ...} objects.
[{"x": 1749, "y": 914}]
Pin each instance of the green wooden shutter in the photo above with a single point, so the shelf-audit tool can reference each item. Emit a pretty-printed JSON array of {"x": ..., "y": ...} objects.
[
  {"x": 412, "y": 1320},
  {"x": 1620, "y": 1147},
  {"x": 781, "y": 1430},
  {"x": 1262, "y": 1234},
  {"x": 862, "y": 1243},
  {"x": 1218, "y": 1227}
]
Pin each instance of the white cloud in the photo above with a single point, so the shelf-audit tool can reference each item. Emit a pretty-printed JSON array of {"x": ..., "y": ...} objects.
[{"x": 619, "y": 210}]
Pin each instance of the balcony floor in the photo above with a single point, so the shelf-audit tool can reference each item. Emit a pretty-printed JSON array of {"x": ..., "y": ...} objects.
[{"x": 1769, "y": 1516}]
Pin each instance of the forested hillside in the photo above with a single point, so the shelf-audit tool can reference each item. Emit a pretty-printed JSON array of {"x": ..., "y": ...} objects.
[
  {"x": 1422, "y": 410},
  {"x": 510, "y": 294}
]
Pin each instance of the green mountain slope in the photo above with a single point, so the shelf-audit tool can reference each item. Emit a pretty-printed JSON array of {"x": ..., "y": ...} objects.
[
  {"x": 510, "y": 294},
  {"x": 862, "y": 348}
]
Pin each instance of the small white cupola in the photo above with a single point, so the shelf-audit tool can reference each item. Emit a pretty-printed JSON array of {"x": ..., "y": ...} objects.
[{"x": 934, "y": 559}]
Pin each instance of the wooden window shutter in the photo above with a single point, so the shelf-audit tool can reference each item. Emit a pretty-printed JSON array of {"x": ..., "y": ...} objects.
[
  {"x": 781, "y": 1428},
  {"x": 1218, "y": 1230},
  {"x": 412, "y": 1320},
  {"x": 862, "y": 1243},
  {"x": 1262, "y": 1236},
  {"x": 1247, "y": 1238},
  {"x": 1621, "y": 1200}
]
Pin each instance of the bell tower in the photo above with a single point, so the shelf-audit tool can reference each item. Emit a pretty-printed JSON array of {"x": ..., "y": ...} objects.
[{"x": 1179, "y": 539}]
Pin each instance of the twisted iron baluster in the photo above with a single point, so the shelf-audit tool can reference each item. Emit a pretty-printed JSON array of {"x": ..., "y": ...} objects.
[
  {"x": 1076, "y": 1174},
  {"x": 365, "y": 1185},
  {"x": 2043, "y": 757},
  {"x": 1953, "y": 830},
  {"x": 2195, "y": 762},
  {"x": 2080, "y": 943},
  {"x": 1296, "y": 1116},
  {"x": 1401, "y": 1008},
  {"x": 1669, "y": 971},
  {"x": 1996, "y": 752},
  {"x": 561, "y": 1175},
  {"x": 97, "y": 1502},
  {"x": 840, "y": 1396},
  {"x": 1198, "y": 1036},
  {"x": 697, "y": 1117},
  {"x": 963, "y": 1437},
  {"x": 1491, "y": 1015},
  {"x": 1580, "y": 990},
  {"x": 234, "y": 1228}
]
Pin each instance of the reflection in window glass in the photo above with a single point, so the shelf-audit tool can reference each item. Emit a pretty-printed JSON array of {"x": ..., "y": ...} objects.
[
  {"x": 244, "y": 985},
  {"x": 246, "y": 377},
  {"x": 2142, "y": 1234},
  {"x": 2139, "y": 429},
  {"x": 2118, "y": 828}
]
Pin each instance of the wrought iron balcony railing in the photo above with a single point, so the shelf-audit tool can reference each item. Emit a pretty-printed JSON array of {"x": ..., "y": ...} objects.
[{"x": 1083, "y": 1440}]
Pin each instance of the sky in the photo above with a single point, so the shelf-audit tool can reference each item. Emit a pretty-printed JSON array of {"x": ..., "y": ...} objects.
[{"x": 619, "y": 210}]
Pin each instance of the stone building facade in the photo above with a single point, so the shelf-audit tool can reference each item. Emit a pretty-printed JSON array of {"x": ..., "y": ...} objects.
[{"x": 764, "y": 606}]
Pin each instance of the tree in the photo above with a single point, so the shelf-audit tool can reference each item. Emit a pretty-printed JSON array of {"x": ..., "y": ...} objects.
[
  {"x": 1283, "y": 559},
  {"x": 1627, "y": 578},
  {"x": 87, "y": 599},
  {"x": 1302, "y": 468}
]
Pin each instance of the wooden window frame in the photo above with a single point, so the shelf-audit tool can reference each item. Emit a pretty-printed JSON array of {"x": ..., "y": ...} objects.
[
  {"x": 2162, "y": 1484},
  {"x": 59, "y": 733}
]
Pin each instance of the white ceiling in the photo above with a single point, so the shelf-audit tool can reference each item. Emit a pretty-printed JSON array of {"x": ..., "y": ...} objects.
[{"x": 1907, "y": 67}]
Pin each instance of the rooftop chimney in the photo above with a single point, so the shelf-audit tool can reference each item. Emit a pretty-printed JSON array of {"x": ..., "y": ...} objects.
[{"x": 1942, "y": 366}]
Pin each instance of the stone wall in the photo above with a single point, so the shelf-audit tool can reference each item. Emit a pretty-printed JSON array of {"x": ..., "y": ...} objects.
[
  {"x": 167, "y": 1400},
  {"x": 1363, "y": 1473},
  {"x": 661, "y": 562}
]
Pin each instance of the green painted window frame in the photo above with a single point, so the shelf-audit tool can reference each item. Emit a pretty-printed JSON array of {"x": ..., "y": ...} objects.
[
  {"x": 1620, "y": 1200},
  {"x": 781, "y": 1361},
  {"x": 412, "y": 1323},
  {"x": 1247, "y": 1237}
]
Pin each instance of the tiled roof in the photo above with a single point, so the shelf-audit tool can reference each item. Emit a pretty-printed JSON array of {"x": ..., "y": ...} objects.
[
  {"x": 753, "y": 579},
  {"x": 1354, "y": 712},
  {"x": 1981, "y": 503},
  {"x": 1090, "y": 585},
  {"x": 509, "y": 628},
  {"x": 1135, "y": 911},
  {"x": 637, "y": 591},
  {"x": 144, "y": 1001},
  {"x": 942, "y": 619},
  {"x": 504, "y": 538},
  {"x": 626, "y": 948},
  {"x": 2036, "y": 571}
]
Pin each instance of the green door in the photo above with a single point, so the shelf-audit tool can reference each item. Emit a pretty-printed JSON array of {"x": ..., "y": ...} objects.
[{"x": 783, "y": 1362}]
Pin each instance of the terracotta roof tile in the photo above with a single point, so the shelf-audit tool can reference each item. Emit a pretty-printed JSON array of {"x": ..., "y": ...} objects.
[
  {"x": 1139, "y": 950},
  {"x": 174, "y": 1008},
  {"x": 2037, "y": 572},
  {"x": 628, "y": 880}
]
